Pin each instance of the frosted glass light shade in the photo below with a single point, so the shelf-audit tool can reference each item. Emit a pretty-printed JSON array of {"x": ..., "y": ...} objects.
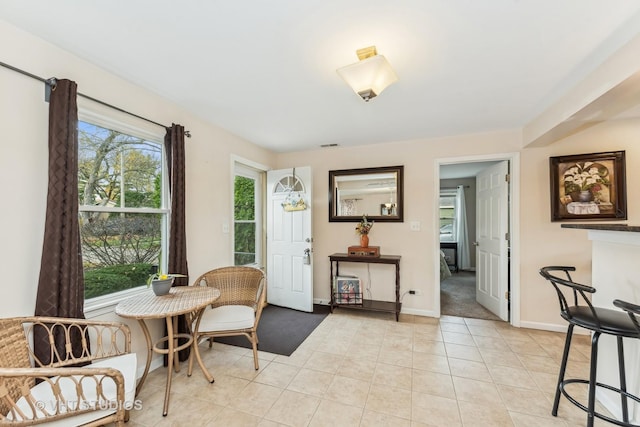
[{"x": 369, "y": 77}]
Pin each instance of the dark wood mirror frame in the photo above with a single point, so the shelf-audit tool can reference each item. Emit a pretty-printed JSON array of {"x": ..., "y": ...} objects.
[{"x": 395, "y": 212}]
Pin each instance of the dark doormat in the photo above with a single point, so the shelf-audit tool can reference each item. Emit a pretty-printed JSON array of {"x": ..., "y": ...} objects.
[{"x": 282, "y": 330}]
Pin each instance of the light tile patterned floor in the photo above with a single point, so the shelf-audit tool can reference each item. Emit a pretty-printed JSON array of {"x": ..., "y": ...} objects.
[{"x": 364, "y": 369}]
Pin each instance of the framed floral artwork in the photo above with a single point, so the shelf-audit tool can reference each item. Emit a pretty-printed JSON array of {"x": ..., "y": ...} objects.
[{"x": 588, "y": 187}]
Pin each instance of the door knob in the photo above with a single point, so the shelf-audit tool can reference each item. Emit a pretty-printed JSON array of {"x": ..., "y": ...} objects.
[{"x": 476, "y": 244}]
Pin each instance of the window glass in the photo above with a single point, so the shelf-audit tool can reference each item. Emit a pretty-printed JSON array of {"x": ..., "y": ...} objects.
[
  {"x": 447, "y": 216},
  {"x": 247, "y": 215},
  {"x": 121, "y": 214},
  {"x": 244, "y": 220}
]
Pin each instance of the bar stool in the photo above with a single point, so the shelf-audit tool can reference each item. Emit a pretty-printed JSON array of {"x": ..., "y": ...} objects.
[{"x": 599, "y": 321}]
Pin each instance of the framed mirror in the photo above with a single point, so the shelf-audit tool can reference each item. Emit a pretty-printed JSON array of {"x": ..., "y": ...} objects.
[{"x": 374, "y": 192}]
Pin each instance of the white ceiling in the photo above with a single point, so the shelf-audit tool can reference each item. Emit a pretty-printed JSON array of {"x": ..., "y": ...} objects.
[{"x": 265, "y": 70}]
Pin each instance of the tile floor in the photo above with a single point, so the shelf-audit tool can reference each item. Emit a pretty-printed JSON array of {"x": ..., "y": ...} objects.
[{"x": 365, "y": 369}]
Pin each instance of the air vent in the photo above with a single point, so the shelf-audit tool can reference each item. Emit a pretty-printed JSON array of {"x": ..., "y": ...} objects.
[{"x": 328, "y": 145}]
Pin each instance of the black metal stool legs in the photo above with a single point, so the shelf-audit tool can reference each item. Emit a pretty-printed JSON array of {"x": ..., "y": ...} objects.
[
  {"x": 593, "y": 384},
  {"x": 623, "y": 382},
  {"x": 563, "y": 368},
  {"x": 599, "y": 320},
  {"x": 591, "y": 405}
]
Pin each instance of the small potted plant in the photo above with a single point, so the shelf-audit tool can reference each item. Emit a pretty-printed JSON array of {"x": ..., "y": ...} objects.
[{"x": 161, "y": 283}]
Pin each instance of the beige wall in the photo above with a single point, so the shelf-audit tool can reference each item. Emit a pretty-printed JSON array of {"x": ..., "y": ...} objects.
[
  {"x": 544, "y": 242},
  {"x": 541, "y": 241},
  {"x": 23, "y": 167},
  {"x": 418, "y": 268},
  {"x": 23, "y": 170}
]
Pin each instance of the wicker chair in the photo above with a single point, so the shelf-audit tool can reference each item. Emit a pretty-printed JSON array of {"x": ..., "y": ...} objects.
[
  {"x": 237, "y": 311},
  {"x": 58, "y": 392}
]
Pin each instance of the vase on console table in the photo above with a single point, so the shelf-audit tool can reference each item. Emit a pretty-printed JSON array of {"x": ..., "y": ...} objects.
[{"x": 364, "y": 240}]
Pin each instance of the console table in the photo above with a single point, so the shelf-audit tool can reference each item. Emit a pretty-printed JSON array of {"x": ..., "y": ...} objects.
[{"x": 367, "y": 304}]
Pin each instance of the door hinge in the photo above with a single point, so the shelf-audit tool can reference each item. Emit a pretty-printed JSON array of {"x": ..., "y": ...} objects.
[
  {"x": 507, "y": 295},
  {"x": 506, "y": 236},
  {"x": 507, "y": 178}
]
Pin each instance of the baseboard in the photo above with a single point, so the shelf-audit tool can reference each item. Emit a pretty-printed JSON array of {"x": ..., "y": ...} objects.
[
  {"x": 418, "y": 312},
  {"x": 552, "y": 327},
  {"x": 413, "y": 311},
  {"x": 523, "y": 324}
]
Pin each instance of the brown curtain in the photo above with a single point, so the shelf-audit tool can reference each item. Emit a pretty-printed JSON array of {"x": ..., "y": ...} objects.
[
  {"x": 61, "y": 282},
  {"x": 174, "y": 147}
]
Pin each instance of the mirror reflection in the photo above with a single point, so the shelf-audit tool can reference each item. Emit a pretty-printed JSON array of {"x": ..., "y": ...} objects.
[{"x": 374, "y": 192}]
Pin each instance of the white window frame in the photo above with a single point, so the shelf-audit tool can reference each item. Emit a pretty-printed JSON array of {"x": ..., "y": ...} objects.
[{"x": 111, "y": 119}]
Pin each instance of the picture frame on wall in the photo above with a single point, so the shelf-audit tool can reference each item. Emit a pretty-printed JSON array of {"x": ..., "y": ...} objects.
[{"x": 588, "y": 187}]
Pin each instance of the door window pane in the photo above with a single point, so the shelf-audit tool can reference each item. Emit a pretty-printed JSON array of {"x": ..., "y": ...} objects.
[
  {"x": 245, "y": 243},
  {"x": 244, "y": 220}
]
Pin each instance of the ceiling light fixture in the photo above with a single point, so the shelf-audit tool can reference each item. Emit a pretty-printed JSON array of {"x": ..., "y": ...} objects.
[{"x": 370, "y": 76}]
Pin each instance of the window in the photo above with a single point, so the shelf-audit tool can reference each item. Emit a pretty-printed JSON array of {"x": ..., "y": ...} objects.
[
  {"x": 122, "y": 206},
  {"x": 247, "y": 216},
  {"x": 447, "y": 215}
]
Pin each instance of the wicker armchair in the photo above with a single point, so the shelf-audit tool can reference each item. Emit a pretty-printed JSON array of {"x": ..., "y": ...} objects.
[
  {"x": 237, "y": 311},
  {"x": 58, "y": 392}
]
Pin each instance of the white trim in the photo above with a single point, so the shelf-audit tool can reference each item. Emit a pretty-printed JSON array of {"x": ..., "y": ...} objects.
[
  {"x": 101, "y": 116},
  {"x": 411, "y": 311},
  {"x": 93, "y": 208},
  {"x": 514, "y": 225},
  {"x": 418, "y": 312},
  {"x": 624, "y": 237},
  {"x": 553, "y": 327},
  {"x": 237, "y": 159},
  {"x": 105, "y": 304},
  {"x": 91, "y": 112},
  {"x": 238, "y": 166}
]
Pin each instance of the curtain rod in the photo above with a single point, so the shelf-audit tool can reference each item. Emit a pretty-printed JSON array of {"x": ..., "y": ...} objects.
[{"x": 51, "y": 81}]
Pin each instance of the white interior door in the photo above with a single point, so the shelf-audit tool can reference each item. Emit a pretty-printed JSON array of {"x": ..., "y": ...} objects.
[
  {"x": 492, "y": 213},
  {"x": 289, "y": 239}
]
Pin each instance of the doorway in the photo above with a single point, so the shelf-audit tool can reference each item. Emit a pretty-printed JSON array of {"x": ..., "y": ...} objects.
[
  {"x": 457, "y": 293},
  {"x": 289, "y": 238}
]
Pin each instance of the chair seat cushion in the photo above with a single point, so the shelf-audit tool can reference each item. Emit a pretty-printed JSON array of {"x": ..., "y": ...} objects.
[
  {"x": 43, "y": 394},
  {"x": 614, "y": 322},
  {"x": 227, "y": 318}
]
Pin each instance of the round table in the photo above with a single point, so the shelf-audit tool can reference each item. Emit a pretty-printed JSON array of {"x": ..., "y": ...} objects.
[{"x": 188, "y": 300}]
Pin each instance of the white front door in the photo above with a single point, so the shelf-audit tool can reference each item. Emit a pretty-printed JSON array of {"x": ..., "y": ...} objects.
[
  {"x": 289, "y": 239},
  {"x": 492, "y": 213}
]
